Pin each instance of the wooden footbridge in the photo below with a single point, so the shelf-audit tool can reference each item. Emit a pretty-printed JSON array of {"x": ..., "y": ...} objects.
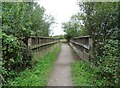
[
  {"x": 82, "y": 45},
  {"x": 61, "y": 74}
]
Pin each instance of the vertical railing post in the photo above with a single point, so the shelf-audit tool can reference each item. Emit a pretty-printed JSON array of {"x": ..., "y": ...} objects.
[
  {"x": 29, "y": 41},
  {"x": 91, "y": 47}
]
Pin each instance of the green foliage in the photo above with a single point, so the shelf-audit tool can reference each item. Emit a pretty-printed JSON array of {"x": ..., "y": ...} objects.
[
  {"x": 108, "y": 63},
  {"x": 71, "y": 28},
  {"x": 14, "y": 59},
  {"x": 0, "y": 33},
  {"x": 81, "y": 74},
  {"x": 20, "y": 20},
  {"x": 84, "y": 74},
  {"x": 14, "y": 19},
  {"x": 101, "y": 23},
  {"x": 23, "y": 19},
  {"x": 11, "y": 52},
  {"x": 59, "y": 36},
  {"x": 39, "y": 74},
  {"x": 41, "y": 25}
]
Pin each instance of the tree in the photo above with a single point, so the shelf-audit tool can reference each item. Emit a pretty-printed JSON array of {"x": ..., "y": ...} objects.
[
  {"x": 101, "y": 23},
  {"x": 21, "y": 20},
  {"x": 72, "y": 28}
]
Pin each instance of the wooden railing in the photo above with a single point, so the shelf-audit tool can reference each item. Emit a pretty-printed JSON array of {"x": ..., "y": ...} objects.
[
  {"x": 82, "y": 46},
  {"x": 38, "y": 43}
]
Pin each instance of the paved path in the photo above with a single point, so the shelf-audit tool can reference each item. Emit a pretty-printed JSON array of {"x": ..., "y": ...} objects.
[{"x": 61, "y": 75}]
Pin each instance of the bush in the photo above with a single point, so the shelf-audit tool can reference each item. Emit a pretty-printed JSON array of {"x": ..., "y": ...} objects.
[
  {"x": 108, "y": 62},
  {"x": 15, "y": 56},
  {"x": 84, "y": 74},
  {"x": 40, "y": 73}
]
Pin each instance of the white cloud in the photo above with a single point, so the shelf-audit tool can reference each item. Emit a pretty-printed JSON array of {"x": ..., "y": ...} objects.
[{"x": 61, "y": 10}]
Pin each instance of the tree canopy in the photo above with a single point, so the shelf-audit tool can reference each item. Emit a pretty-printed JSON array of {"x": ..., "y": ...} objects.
[{"x": 72, "y": 28}]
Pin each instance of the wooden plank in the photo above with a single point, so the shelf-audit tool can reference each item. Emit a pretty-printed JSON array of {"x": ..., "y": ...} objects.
[
  {"x": 88, "y": 36},
  {"x": 76, "y": 50},
  {"x": 87, "y": 47},
  {"x": 40, "y": 45},
  {"x": 86, "y": 44}
]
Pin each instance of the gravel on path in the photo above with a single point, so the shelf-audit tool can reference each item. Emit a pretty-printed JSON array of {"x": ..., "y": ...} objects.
[{"x": 61, "y": 74}]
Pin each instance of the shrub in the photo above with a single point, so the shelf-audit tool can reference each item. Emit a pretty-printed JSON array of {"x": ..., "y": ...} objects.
[
  {"x": 108, "y": 62},
  {"x": 15, "y": 56}
]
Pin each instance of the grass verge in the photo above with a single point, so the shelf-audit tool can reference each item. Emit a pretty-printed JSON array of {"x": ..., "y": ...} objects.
[
  {"x": 84, "y": 74},
  {"x": 39, "y": 74}
]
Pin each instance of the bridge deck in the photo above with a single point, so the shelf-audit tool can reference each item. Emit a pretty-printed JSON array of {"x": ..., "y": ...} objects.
[{"x": 61, "y": 75}]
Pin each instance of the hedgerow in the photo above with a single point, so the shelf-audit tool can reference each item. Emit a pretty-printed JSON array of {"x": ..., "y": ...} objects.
[
  {"x": 15, "y": 57},
  {"x": 101, "y": 21},
  {"x": 20, "y": 20}
]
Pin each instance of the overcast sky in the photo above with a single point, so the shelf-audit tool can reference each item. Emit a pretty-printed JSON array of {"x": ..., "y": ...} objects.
[{"x": 61, "y": 10}]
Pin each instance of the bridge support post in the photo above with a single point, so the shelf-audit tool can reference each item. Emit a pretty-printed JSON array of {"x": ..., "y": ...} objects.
[{"x": 91, "y": 48}]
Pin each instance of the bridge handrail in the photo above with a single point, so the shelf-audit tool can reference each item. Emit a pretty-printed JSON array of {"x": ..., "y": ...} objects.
[
  {"x": 88, "y": 36},
  {"x": 38, "y": 45},
  {"x": 35, "y": 42},
  {"x": 83, "y": 46}
]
